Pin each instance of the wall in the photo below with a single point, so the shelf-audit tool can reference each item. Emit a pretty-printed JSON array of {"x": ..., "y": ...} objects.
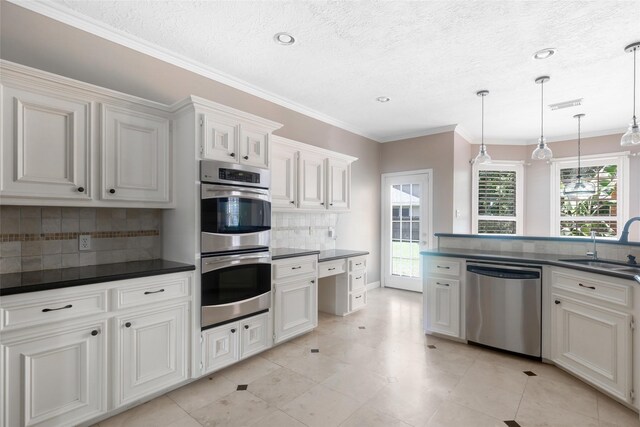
[
  {"x": 36, "y": 238},
  {"x": 461, "y": 184},
  {"x": 67, "y": 51},
  {"x": 537, "y": 177}
]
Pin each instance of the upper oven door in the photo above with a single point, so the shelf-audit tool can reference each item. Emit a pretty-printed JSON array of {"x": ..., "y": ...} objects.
[{"x": 230, "y": 210}]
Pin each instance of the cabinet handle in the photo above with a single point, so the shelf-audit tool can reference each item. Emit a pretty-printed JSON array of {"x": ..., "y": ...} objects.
[
  {"x": 46, "y": 310},
  {"x": 80, "y": 189},
  {"x": 154, "y": 292},
  {"x": 246, "y": 326},
  {"x": 112, "y": 190},
  {"x": 95, "y": 332},
  {"x": 331, "y": 269},
  {"x": 296, "y": 268},
  {"x": 358, "y": 264},
  {"x": 445, "y": 267},
  {"x": 557, "y": 301},
  {"x": 443, "y": 284},
  {"x": 358, "y": 278},
  {"x": 233, "y": 331},
  {"x": 232, "y": 154},
  {"x": 127, "y": 325},
  {"x": 292, "y": 202},
  {"x": 359, "y": 297},
  {"x": 246, "y": 157},
  {"x": 585, "y": 286}
]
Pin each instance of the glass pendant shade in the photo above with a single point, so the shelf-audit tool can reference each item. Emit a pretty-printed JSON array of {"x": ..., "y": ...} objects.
[
  {"x": 483, "y": 156},
  {"x": 542, "y": 152},
  {"x": 579, "y": 190},
  {"x": 632, "y": 136}
]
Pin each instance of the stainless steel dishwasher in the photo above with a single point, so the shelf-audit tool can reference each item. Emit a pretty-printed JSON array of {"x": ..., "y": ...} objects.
[{"x": 504, "y": 307}]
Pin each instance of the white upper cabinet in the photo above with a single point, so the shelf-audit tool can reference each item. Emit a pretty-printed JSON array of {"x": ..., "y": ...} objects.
[
  {"x": 254, "y": 148},
  {"x": 45, "y": 145},
  {"x": 283, "y": 176},
  {"x": 136, "y": 148},
  {"x": 307, "y": 177},
  {"x": 338, "y": 184},
  {"x": 219, "y": 138},
  {"x": 312, "y": 176}
]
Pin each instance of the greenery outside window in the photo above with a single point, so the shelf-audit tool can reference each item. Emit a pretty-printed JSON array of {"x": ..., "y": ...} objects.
[
  {"x": 605, "y": 212},
  {"x": 497, "y": 198}
]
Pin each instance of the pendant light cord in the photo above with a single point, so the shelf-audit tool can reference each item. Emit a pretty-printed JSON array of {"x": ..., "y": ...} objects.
[
  {"x": 579, "y": 169},
  {"x": 634, "y": 84},
  {"x": 542, "y": 111},
  {"x": 482, "y": 123}
]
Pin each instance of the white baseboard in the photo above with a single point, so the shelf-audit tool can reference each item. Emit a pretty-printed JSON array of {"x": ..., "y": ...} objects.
[{"x": 373, "y": 285}]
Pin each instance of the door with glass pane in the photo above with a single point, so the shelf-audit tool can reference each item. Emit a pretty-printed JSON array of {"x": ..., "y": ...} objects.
[{"x": 405, "y": 232}]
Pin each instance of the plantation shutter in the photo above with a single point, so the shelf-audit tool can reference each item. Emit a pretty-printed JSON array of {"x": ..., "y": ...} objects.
[{"x": 497, "y": 201}]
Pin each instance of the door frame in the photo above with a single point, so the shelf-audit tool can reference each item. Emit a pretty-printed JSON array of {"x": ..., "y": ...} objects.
[{"x": 429, "y": 172}]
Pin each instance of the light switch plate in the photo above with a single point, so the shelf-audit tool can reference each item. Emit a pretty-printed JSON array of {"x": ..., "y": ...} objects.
[{"x": 84, "y": 242}]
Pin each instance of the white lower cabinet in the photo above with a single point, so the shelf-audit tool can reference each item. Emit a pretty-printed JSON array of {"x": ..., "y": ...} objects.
[
  {"x": 594, "y": 343},
  {"x": 443, "y": 306},
  {"x": 152, "y": 352},
  {"x": 296, "y": 307},
  {"x": 55, "y": 378},
  {"x": 229, "y": 343}
]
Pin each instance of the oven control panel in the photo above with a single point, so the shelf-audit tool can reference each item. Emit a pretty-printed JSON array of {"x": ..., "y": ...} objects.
[
  {"x": 239, "y": 176},
  {"x": 225, "y": 173}
]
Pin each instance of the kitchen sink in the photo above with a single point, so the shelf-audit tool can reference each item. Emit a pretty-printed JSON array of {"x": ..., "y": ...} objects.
[{"x": 608, "y": 265}]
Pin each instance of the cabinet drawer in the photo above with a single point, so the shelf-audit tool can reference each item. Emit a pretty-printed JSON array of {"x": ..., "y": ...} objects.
[
  {"x": 357, "y": 281},
  {"x": 331, "y": 268},
  {"x": 357, "y": 300},
  {"x": 357, "y": 263},
  {"x": 448, "y": 268},
  {"x": 154, "y": 291},
  {"x": 594, "y": 287},
  {"x": 46, "y": 310},
  {"x": 295, "y": 267}
]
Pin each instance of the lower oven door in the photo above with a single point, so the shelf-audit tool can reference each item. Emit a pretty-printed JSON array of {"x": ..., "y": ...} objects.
[{"x": 234, "y": 286}]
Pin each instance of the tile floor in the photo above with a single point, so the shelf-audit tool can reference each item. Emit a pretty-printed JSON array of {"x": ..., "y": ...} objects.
[{"x": 377, "y": 368}]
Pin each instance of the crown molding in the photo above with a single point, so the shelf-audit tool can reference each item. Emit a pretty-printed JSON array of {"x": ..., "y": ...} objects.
[
  {"x": 584, "y": 135},
  {"x": 85, "y": 23},
  {"x": 417, "y": 134}
]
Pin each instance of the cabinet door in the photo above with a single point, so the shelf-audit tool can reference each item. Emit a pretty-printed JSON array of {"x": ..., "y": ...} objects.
[
  {"x": 44, "y": 146},
  {"x": 296, "y": 308},
  {"x": 220, "y": 347},
  {"x": 283, "y": 176},
  {"x": 311, "y": 181},
  {"x": 219, "y": 139},
  {"x": 255, "y": 335},
  {"x": 254, "y": 148},
  {"x": 135, "y": 156},
  {"x": 594, "y": 343},
  {"x": 338, "y": 173},
  {"x": 151, "y": 352},
  {"x": 443, "y": 304},
  {"x": 57, "y": 379}
]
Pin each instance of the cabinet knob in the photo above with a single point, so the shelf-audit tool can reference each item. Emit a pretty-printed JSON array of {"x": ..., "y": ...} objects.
[
  {"x": 232, "y": 154},
  {"x": 330, "y": 204},
  {"x": 246, "y": 326},
  {"x": 233, "y": 331},
  {"x": 292, "y": 202},
  {"x": 127, "y": 325},
  {"x": 95, "y": 332},
  {"x": 112, "y": 190},
  {"x": 557, "y": 301},
  {"x": 80, "y": 189},
  {"x": 313, "y": 281},
  {"x": 322, "y": 203},
  {"x": 246, "y": 157}
]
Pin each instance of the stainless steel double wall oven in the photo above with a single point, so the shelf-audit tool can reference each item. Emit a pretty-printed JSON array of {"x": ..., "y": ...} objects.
[{"x": 235, "y": 218}]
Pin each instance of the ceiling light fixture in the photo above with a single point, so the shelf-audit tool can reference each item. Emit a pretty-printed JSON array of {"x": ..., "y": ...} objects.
[
  {"x": 542, "y": 152},
  {"x": 483, "y": 156},
  {"x": 632, "y": 136},
  {"x": 544, "y": 53},
  {"x": 383, "y": 99},
  {"x": 284, "y": 39},
  {"x": 578, "y": 189}
]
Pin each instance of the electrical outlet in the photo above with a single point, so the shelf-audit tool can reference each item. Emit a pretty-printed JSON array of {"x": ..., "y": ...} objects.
[
  {"x": 332, "y": 233},
  {"x": 84, "y": 242}
]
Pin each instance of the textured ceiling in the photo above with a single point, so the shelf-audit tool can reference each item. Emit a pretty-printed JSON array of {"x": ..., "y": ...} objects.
[{"x": 429, "y": 57}]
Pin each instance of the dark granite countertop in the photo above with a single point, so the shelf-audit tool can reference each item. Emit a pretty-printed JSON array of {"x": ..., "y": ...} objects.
[
  {"x": 527, "y": 258},
  {"x": 282, "y": 253},
  {"x": 333, "y": 254},
  {"x": 42, "y": 280}
]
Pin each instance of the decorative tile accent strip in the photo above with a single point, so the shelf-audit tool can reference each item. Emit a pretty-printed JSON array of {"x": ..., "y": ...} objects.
[{"x": 71, "y": 236}]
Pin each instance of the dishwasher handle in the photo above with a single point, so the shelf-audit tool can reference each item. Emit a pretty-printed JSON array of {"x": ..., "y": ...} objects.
[{"x": 503, "y": 273}]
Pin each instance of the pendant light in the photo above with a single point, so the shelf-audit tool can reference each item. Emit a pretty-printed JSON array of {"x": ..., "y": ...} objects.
[
  {"x": 632, "y": 136},
  {"x": 483, "y": 156},
  {"x": 542, "y": 152},
  {"x": 578, "y": 189}
]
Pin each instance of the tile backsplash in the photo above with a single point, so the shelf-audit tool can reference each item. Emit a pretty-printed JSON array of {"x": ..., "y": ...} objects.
[
  {"x": 40, "y": 238},
  {"x": 303, "y": 230}
]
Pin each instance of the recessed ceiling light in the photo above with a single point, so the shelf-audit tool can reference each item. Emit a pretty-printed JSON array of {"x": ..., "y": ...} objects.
[
  {"x": 285, "y": 39},
  {"x": 544, "y": 53},
  {"x": 383, "y": 99},
  {"x": 566, "y": 104}
]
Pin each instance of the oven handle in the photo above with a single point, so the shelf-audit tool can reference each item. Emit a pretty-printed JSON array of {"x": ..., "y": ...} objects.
[
  {"x": 216, "y": 263},
  {"x": 237, "y": 302},
  {"x": 210, "y": 191}
]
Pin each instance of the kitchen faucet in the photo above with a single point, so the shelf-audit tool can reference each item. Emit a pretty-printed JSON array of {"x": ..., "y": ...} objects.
[
  {"x": 624, "y": 237},
  {"x": 593, "y": 254}
]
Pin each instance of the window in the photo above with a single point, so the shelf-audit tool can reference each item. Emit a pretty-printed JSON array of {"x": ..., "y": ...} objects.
[
  {"x": 605, "y": 211},
  {"x": 497, "y": 198}
]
